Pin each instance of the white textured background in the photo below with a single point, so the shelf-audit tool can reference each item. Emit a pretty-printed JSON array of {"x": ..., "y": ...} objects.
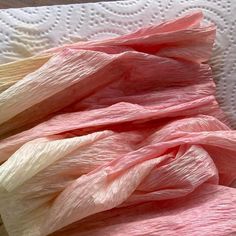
[{"x": 25, "y": 31}]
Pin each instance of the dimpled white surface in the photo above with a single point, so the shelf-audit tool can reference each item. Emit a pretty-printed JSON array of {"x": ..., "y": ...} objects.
[{"x": 26, "y": 31}]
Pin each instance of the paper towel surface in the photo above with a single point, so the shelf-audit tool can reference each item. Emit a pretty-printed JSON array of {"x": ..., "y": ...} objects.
[{"x": 26, "y": 31}]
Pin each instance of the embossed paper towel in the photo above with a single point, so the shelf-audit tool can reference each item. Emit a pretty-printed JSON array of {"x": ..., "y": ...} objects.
[{"x": 26, "y": 31}]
